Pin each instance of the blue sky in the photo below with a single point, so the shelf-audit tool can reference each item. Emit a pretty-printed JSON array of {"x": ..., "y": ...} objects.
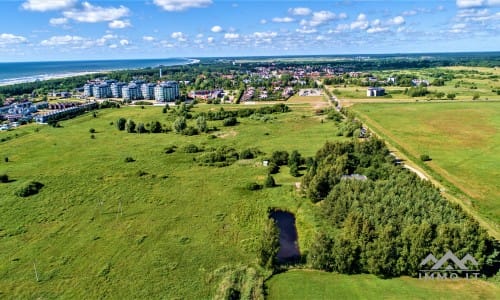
[{"x": 33, "y": 30}]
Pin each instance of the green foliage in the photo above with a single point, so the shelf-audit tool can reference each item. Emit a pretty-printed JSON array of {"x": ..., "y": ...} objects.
[
  {"x": 156, "y": 127},
  {"x": 220, "y": 157},
  {"x": 92, "y": 130},
  {"x": 141, "y": 128},
  {"x": 425, "y": 157},
  {"x": 450, "y": 96},
  {"x": 170, "y": 149},
  {"x": 129, "y": 159},
  {"x": 180, "y": 124},
  {"x": 230, "y": 121},
  {"x": 4, "y": 178},
  {"x": 253, "y": 186},
  {"x": 476, "y": 96},
  {"x": 29, "y": 188},
  {"x": 269, "y": 245},
  {"x": 373, "y": 221},
  {"x": 130, "y": 126},
  {"x": 269, "y": 183},
  {"x": 191, "y": 148},
  {"x": 294, "y": 170},
  {"x": 121, "y": 123},
  {"x": 419, "y": 91},
  {"x": 273, "y": 168},
  {"x": 6, "y": 159},
  {"x": 280, "y": 158},
  {"x": 250, "y": 153},
  {"x": 201, "y": 124}
]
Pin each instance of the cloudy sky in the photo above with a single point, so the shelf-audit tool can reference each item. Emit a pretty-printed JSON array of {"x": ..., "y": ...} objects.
[{"x": 33, "y": 30}]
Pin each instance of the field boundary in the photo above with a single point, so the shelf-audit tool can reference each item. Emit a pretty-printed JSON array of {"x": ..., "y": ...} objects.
[{"x": 450, "y": 191}]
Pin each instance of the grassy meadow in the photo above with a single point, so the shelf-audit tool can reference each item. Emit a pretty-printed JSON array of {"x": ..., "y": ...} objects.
[
  {"x": 310, "y": 284},
  {"x": 159, "y": 227},
  {"x": 463, "y": 140}
]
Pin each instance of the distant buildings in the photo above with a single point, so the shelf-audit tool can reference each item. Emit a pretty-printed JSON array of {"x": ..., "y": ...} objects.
[
  {"x": 167, "y": 91},
  {"x": 375, "y": 92},
  {"x": 135, "y": 90}
]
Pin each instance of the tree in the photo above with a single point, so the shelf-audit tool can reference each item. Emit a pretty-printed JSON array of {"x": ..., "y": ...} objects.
[
  {"x": 201, "y": 123},
  {"x": 320, "y": 255},
  {"x": 450, "y": 96},
  {"x": 231, "y": 121},
  {"x": 269, "y": 182},
  {"x": 269, "y": 245},
  {"x": 92, "y": 130},
  {"x": 141, "y": 128},
  {"x": 280, "y": 158},
  {"x": 476, "y": 96},
  {"x": 156, "y": 127},
  {"x": 130, "y": 126},
  {"x": 180, "y": 124},
  {"x": 295, "y": 159},
  {"x": 120, "y": 124},
  {"x": 294, "y": 170}
]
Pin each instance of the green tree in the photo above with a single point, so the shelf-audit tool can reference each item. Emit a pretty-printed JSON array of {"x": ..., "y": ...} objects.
[
  {"x": 120, "y": 124},
  {"x": 269, "y": 181},
  {"x": 156, "y": 127},
  {"x": 130, "y": 126},
  {"x": 269, "y": 245},
  {"x": 450, "y": 96},
  {"x": 180, "y": 124},
  {"x": 141, "y": 128},
  {"x": 201, "y": 123}
]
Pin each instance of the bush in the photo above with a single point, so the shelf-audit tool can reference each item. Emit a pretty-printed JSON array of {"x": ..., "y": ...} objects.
[
  {"x": 249, "y": 153},
  {"x": 92, "y": 136},
  {"x": 4, "y": 178},
  {"x": 120, "y": 124},
  {"x": 274, "y": 168},
  {"x": 129, "y": 159},
  {"x": 191, "y": 148},
  {"x": 280, "y": 158},
  {"x": 92, "y": 130},
  {"x": 294, "y": 170},
  {"x": 6, "y": 159},
  {"x": 253, "y": 186},
  {"x": 170, "y": 149},
  {"x": 269, "y": 182},
  {"x": 425, "y": 157},
  {"x": 231, "y": 121},
  {"x": 29, "y": 188},
  {"x": 190, "y": 131}
]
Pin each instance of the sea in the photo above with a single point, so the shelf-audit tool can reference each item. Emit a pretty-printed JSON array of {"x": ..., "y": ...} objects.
[{"x": 20, "y": 72}]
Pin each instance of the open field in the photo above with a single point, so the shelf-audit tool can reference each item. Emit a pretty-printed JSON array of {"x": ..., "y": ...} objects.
[
  {"x": 307, "y": 284},
  {"x": 463, "y": 140},
  {"x": 156, "y": 227}
]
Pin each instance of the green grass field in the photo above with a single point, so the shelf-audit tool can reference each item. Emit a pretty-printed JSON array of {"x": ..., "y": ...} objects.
[
  {"x": 99, "y": 229},
  {"x": 463, "y": 140},
  {"x": 306, "y": 284}
]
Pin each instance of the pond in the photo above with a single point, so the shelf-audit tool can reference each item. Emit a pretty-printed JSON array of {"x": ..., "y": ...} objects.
[{"x": 289, "y": 249}]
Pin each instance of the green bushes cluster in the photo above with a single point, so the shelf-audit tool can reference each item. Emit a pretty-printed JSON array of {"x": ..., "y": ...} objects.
[{"x": 29, "y": 188}]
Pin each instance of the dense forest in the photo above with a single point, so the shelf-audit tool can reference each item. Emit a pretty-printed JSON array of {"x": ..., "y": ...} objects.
[{"x": 387, "y": 223}]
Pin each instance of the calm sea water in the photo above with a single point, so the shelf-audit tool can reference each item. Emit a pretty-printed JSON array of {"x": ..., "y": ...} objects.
[{"x": 18, "y": 72}]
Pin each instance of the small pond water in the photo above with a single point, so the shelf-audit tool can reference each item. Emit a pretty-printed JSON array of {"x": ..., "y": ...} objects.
[{"x": 289, "y": 249}]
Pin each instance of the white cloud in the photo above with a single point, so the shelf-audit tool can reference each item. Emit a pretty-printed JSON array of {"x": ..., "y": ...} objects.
[
  {"x": 46, "y": 5},
  {"x": 210, "y": 39},
  {"x": 377, "y": 29},
  {"x": 458, "y": 28},
  {"x": 263, "y": 21},
  {"x": 58, "y": 21},
  {"x": 321, "y": 17},
  {"x": 409, "y": 12},
  {"x": 216, "y": 29},
  {"x": 148, "y": 38},
  {"x": 360, "y": 23},
  {"x": 300, "y": 11},
  {"x": 470, "y": 3},
  {"x": 94, "y": 14},
  {"x": 231, "y": 36},
  {"x": 61, "y": 40},
  {"x": 113, "y": 46},
  {"x": 180, "y": 5},
  {"x": 399, "y": 20},
  {"x": 265, "y": 35},
  {"x": 9, "y": 38},
  {"x": 342, "y": 16},
  {"x": 477, "y": 15},
  {"x": 181, "y": 37},
  {"x": 283, "y": 20},
  {"x": 305, "y": 30},
  {"x": 119, "y": 24},
  {"x": 124, "y": 42}
]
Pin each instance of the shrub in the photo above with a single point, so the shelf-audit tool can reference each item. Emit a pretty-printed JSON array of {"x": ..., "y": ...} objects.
[
  {"x": 190, "y": 131},
  {"x": 269, "y": 182},
  {"x": 129, "y": 159},
  {"x": 425, "y": 157},
  {"x": 120, "y": 124},
  {"x": 274, "y": 168},
  {"x": 170, "y": 149},
  {"x": 92, "y": 136},
  {"x": 253, "y": 186},
  {"x": 6, "y": 159},
  {"x": 191, "y": 148},
  {"x": 4, "y": 178},
  {"x": 231, "y": 121},
  {"x": 249, "y": 153},
  {"x": 92, "y": 130},
  {"x": 280, "y": 158},
  {"x": 294, "y": 170},
  {"x": 180, "y": 124},
  {"x": 29, "y": 188}
]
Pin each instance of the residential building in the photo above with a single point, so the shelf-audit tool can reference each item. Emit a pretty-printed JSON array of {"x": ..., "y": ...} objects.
[
  {"x": 131, "y": 92},
  {"x": 102, "y": 90},
  {"x": 88, "y": 90},
  {"x": 375, "y": 92},
  {"x": 167, "y": 91},
  {"x": 148, "y": 91},
  {"x": 116, "y": 89}
]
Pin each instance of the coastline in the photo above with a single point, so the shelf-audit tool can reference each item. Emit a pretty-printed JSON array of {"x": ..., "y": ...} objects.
[{"x": 61, "y": 75}]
